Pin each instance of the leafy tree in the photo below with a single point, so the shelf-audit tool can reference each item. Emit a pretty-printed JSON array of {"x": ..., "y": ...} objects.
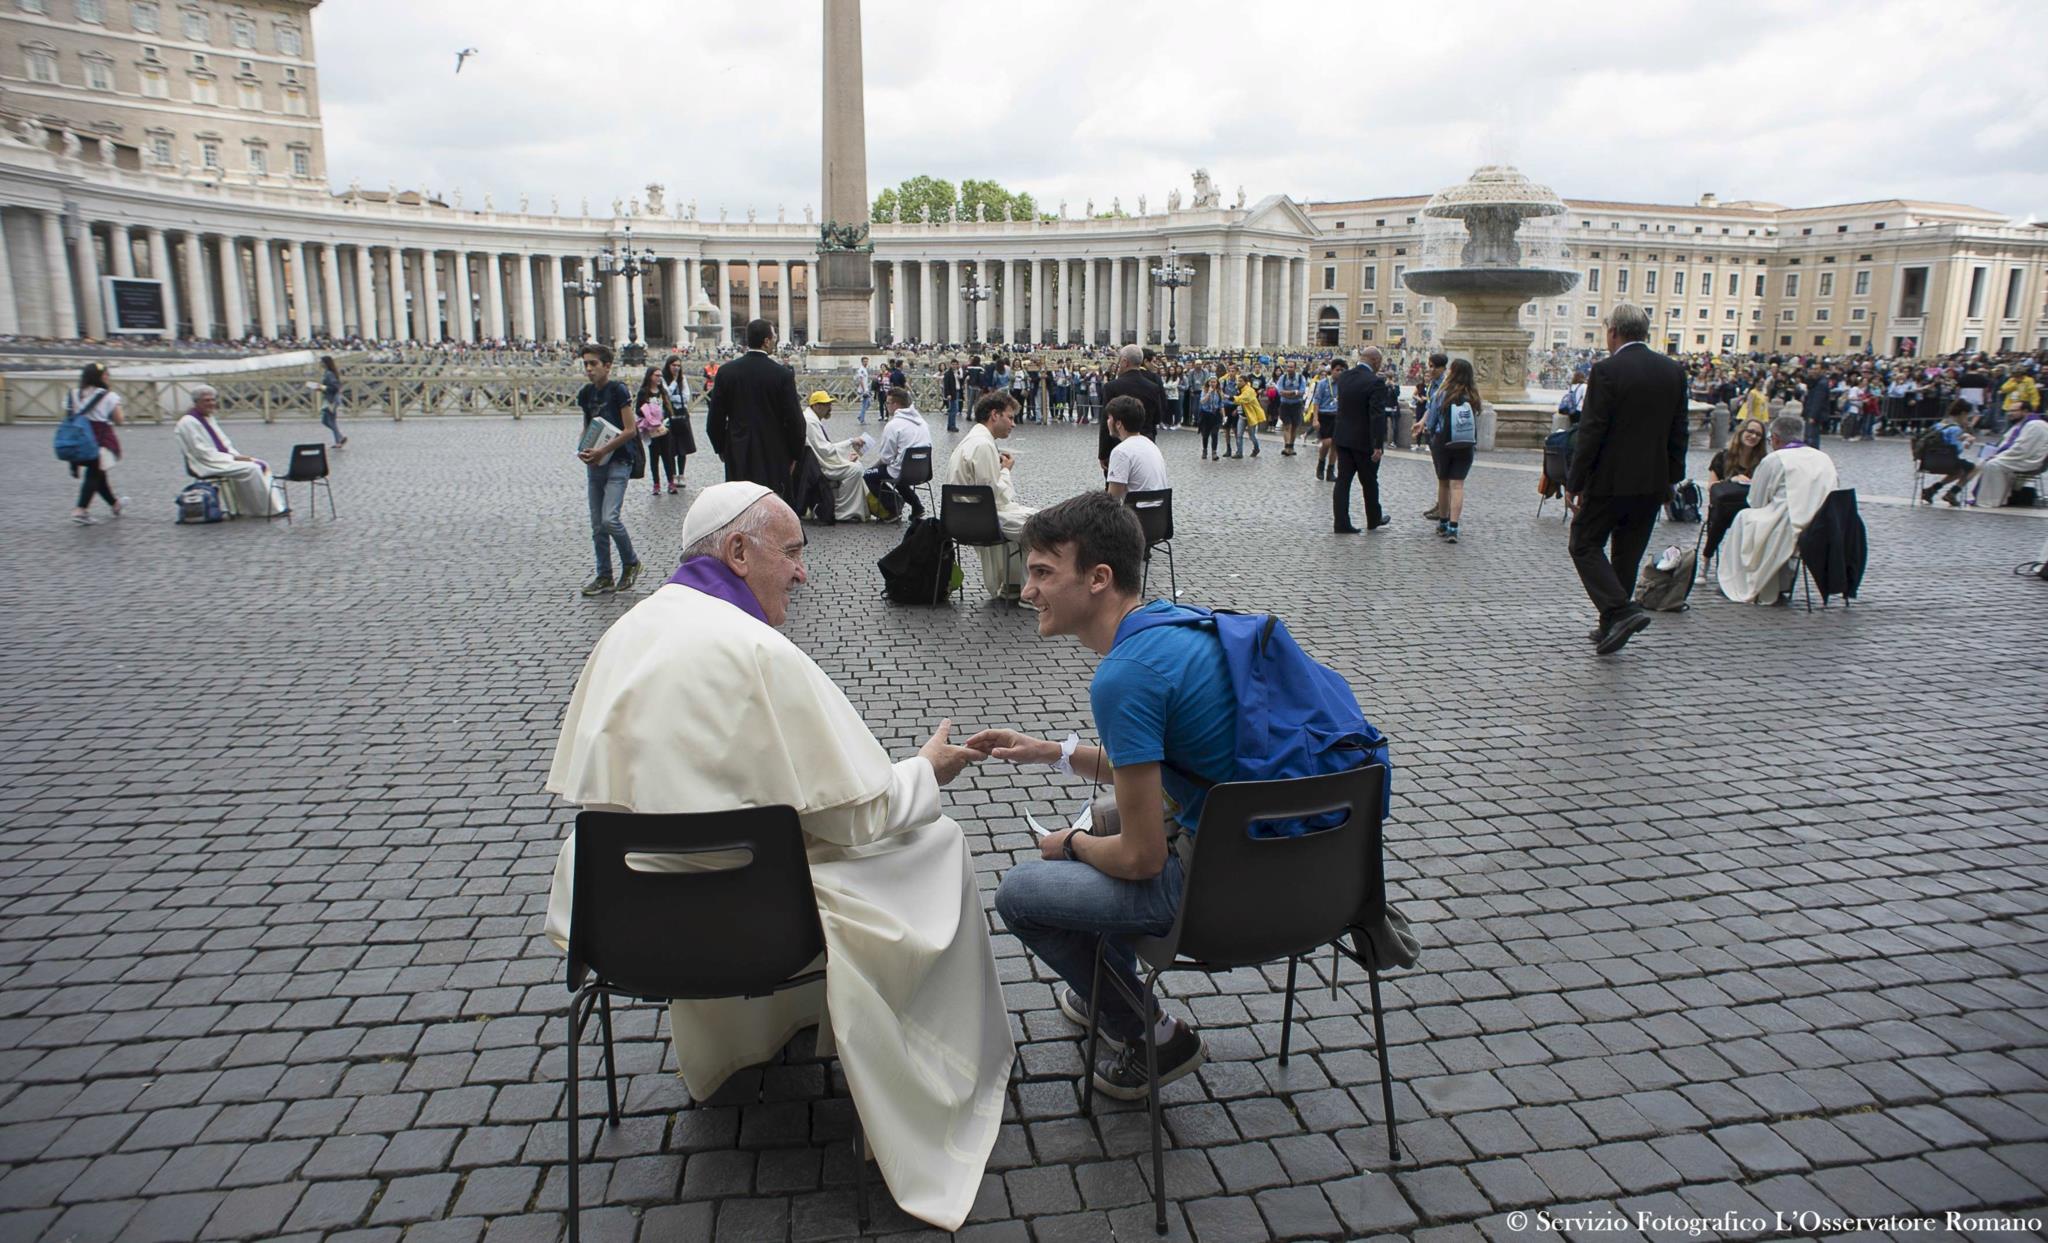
[
  {"x": 908, "y": 201},
  {"x": 994, "y": 197}
]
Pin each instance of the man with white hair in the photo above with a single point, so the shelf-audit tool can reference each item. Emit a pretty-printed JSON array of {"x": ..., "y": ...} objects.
[
  {"x": 1786, "y": 490},
  {"x": 211, "y": 456},
  {"x": 695, "y": 702},
  {"x": 1133, "y": 379}
]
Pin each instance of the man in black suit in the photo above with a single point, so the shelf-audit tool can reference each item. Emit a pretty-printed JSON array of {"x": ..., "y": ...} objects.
[
  {"x": 1630, "y": 452},
  {"x": 756, "y": 422},
  {"x": 953, "y": 386},
  {"x": 1365, "y": 405},
  {"x": 1132, "y": 380}
]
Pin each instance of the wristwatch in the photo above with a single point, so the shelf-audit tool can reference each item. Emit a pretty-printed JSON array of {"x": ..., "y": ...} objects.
[{"x": 1067, "y": 846}]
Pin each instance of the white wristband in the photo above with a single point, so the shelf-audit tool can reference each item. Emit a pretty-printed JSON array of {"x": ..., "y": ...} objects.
[{"x": 1065, "y": 764}]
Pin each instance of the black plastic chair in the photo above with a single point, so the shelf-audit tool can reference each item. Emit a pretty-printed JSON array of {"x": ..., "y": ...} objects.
[
  {"x": 1557, "y": 466},
  {"x": 967, "y": 514},
  {"x": 636, "y": 933},
  {"x": 915, "y": 470},
  {"x": 309, "y": 466},
  {"x": 1246, "y": 901},
  {"x": 1155, "y": 517}
]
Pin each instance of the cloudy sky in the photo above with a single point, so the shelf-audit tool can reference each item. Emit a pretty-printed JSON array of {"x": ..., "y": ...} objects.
[{"x": 1798, "y": 103}]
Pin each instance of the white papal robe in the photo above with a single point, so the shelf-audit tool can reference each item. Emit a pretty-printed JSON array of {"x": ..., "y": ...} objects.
[
  {"x": 910, "y": 990},
  {"x": 254, "y": 492},
  {"x": 2001, "y": 473},
  {"x": 1785, "y": 491},
  {"x": 846, "y": 477},
  {"x": 978, "y": 460}
]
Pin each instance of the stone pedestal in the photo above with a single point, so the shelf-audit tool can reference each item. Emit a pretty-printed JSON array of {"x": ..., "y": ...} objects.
[
  {"x": 846, "y": 287},
  {"x": 1490, "y": 335}
]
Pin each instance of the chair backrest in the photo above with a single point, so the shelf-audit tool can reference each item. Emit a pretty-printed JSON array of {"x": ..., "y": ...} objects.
[
  {"x": 1557, "y": 463},
  {"x": 1155, "y": 513},
  {"x": 309, "y": 462},
  {"x": 968, "y": 512},
  {"x": 916, "y": 467},
  {"x": 743, "y": 923},
  {"x": 1251, "y": 900}
]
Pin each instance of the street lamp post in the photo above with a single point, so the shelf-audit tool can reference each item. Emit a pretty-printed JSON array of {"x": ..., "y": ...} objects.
[
  {"x": 584, "y": 289},
  {"x": 629, "y": 265},
  {"x": 1173, "y": 276},
  {"x": 974, "y": 294}
]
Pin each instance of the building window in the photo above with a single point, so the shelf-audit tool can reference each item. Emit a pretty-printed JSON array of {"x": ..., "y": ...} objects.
[
  {"x": 99, "y": 74},
  {"x": 1862, "y": 287},
  {"x": 302, "y": 162},
  {"x": 204, "y": 90},
  {"x": 1820, "y": 338},
  {"x": 1564, "y": 308},
  {"x": 250, "y": 95},
  {"x": 1703, "y": 312},
  {"x": 1621, "y": 281},
  {"x": 1650, "y": 281},
  {"x": 288, "y": 41},
  {"x": 1400, "y": 275},
  {"x": 42, "y": 64},
  {"x": 1329, "y": 278},
  {"x": 1592, "y": 280},
  {"x": 295, "y": 101},
  {"x": 1820, "y": 315},
  {"x": 1368, "y": 308},
  {"x": 291, "y": 74},
  {"x": 1372, "y": 279},
  {"x": 160, "y": 148},
  {"x": 1592, "y": 310},
  {"x": 1827, "y": 284},
  {"x": 143, "y": 16},
  {"x": 1788, "y": 315},
  {"x": 1365, "y": 334},
  {"x": 94, "y": 11},
  {"x": 1856, "y": 312},
  {"x": 259, "y": 160},
  {"x": 1791, "y": 284},
  {"x": 32, "y": 6},
  {"x": 209, "y": 153},
  {"x": 155, "y": 82},
  {"x": 1727, "y": 340},
  {"x": 1734, "y": 283},
  {"x": 195, "y": 26},
  {"x": 1759, "y": 284},
  {"x": 1856, "y": 339},
  {"x": 242, "y": 31},
  {"x": 1678, "y": 284},
  {"x": 1912, "y": 293},
  {"x": 1785, "y": 340},
  {"x": 1976, "y": 308},
  {"x": 1399, "y": 308},
  {"x": 2012, "y": 292},
  {"x": 1728, "y": 314}
]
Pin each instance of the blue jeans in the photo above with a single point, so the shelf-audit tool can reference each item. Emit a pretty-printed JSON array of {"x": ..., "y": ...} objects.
[
  {"x": 1059, "y": 908},
  {"x": 864, "y": 395},
  {"x": 953, "y": 413},
  {"x": 330, "y": 418},
  {"x": 606, "y": 486}
]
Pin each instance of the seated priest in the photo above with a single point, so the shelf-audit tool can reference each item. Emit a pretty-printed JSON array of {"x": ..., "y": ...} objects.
[
  {"x": 211, "y": 456},
  {"x": 695, "y": 702},
  {"x": 978, "y": 460},
  {"x": 1786, "y": 490},
  {"x": 838, "y": 461},
  {"x": 2023, "y": 453}
]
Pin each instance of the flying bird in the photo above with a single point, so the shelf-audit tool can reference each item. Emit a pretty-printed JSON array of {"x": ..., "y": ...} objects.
[{"x": 463, "y": 55}]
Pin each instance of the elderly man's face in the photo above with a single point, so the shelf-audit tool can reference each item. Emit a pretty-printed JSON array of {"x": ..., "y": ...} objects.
[
  {"x": 771, "y": 560},
  {"x": 823, "y": 409},
  {"x": 204, "y": 403}
]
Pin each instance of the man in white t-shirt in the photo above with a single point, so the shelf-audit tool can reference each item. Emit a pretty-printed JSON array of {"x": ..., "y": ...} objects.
[
  {"x": 1135, "y": 464},
  {"x": 860, "y": 381}
]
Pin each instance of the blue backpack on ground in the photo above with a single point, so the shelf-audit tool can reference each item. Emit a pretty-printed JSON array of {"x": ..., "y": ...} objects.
[
  {"x": 199, "y": 502},
  {"x": 1295, "y": 717}
]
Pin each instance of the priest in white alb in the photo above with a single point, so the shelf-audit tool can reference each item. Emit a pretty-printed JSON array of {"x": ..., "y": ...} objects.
[
  {"x": 211, "y": 456},
  {"x": 978, "y": 460},
  {"x": 1785, "y": 491},
  {"x": 695, "y": 702},
  {"x": 838, "y": 460}
]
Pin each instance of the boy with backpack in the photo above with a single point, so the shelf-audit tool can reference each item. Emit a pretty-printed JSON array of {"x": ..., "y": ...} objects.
[{"x": 1167, "y": 699}]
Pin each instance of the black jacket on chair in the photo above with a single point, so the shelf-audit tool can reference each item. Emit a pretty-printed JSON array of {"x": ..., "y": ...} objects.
[
  {"x": 1834, "y": 546},
  {"x": 756, "y": 423},
  {"x": 1632, "y": 434},
  {"x": 1365, "y": 403}
]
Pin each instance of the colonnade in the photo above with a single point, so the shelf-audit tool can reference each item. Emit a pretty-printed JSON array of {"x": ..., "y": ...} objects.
[{"x": 230, "y": 284}]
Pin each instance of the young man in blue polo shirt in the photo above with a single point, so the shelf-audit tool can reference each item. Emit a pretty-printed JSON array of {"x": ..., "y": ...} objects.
[{"x": 1163, "y": 704}]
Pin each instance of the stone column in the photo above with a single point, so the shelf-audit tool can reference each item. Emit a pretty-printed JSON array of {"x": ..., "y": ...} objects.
[
  {"x": 234, "y": 313},
  {"x": 160, "y": 268},
  {"x": 1214, "y": 336},
  {"x": 1062, "y": 295},
  {"x": 522, "y": 298},
  {"x": 956, "y": 324},
  {"x": 875, "y": 293},
  {"x": 330, "y": 289},
  {"x": 782, "y": 325},
  {"x": 1238, "y": 310},
  {"x": 432, "y": 327},
  {"x": 300, "y": 315},
  {"x": 464, "y": 310},
  {"x": 63, "y": 302},
  {"x": 10, "y": 317},
  {"x": 404, "y": 323},
  {"x": 558, "y": 298},
  {"x": 899, "y": 300},
  {"x": 1147, "y": 291},
  {"x": 89, "y": 279},
  {"x": 754, "y": 291},
  {"x": 1258, "y": 302},
  {"x": 618, "y": 296},
  {"x": 927, "y": 327},
  {"x": 494, "y": 294},
  {"x": 120, "y": 250},
  {"x": 1088, "y": 302},
  {"x": 266, "y": 287},
  {"x": 1302, "y": 323},
  {"x": 1034, "y": 297},
  {"x": 1116, "y": 301},
  {"x": 811, "y": 301},
  {"x": 693, "y": 289},
  {"x": 724, "y": 304},
  {"x": 198, "y": 297},
  {"x": 366, "y": 294}
]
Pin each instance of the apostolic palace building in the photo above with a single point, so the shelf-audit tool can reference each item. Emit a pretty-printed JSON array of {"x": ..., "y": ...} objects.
[{"x": 180, "y": 140}]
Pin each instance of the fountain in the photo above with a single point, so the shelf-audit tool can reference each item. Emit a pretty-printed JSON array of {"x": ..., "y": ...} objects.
[
  {"x": 704, "y": 323},
  {"x": 1490, "y": 245}
]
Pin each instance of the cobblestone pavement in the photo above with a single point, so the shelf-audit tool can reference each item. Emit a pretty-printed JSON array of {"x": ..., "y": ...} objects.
[{"x": 1747, "y": 918}]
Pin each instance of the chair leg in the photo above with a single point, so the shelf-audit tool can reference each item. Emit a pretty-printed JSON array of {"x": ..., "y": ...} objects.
[
  {"x": 575, "y": 1037},
  {"x": 330, "y": 500},
  {"x": 1287, "y": 1009},
  {"x": 611, "y": 1077},
  {"x": 1145, "y": 579},
  {"x": 1152, "y": 1097},
  {"x": 1094, "y": 1034},
  {"x": 1806, "y": 584},
  {"x": 1379, "y": 1040},
  {"x": 1172, "y": 580}
]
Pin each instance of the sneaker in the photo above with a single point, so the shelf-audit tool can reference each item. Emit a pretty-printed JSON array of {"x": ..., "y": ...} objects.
[
  {"x": 1123, "y": 1074},
  {"x": 84, "y": 520},
  {"x": 599, "y": 586},
  {"x": 629, "y": 576},
  {"x": 1451, "y": 532},
  {"x": 673, "y": 487},
  {"x": 1433, "y": 512},
  {"x": 1076, "y": 1010}
]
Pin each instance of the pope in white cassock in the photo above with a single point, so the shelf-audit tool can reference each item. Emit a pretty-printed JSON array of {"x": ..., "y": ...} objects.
[
  {"x": 737, "y": 716},
  {"x": 1785, "y": 491},
  {"x": 839, "y": 460},
  {"x": 978, "y": 460},
  {"x": 211, "y": 456}
]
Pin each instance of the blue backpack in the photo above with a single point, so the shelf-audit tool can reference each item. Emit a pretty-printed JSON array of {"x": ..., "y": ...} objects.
[
  {"x": 1461, "y": 424},
  {"x": 75, "y": 442},
  {"x": 1295, "y": 717}
]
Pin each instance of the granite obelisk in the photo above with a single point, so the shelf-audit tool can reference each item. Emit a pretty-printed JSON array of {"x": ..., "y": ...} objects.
[{"x": 846, "y": 281}]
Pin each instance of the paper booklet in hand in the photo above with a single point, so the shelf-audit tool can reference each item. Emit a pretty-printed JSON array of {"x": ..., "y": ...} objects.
[
  {"x": 1083, "y": 819},
  {"x": 595, "y": 433}
]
